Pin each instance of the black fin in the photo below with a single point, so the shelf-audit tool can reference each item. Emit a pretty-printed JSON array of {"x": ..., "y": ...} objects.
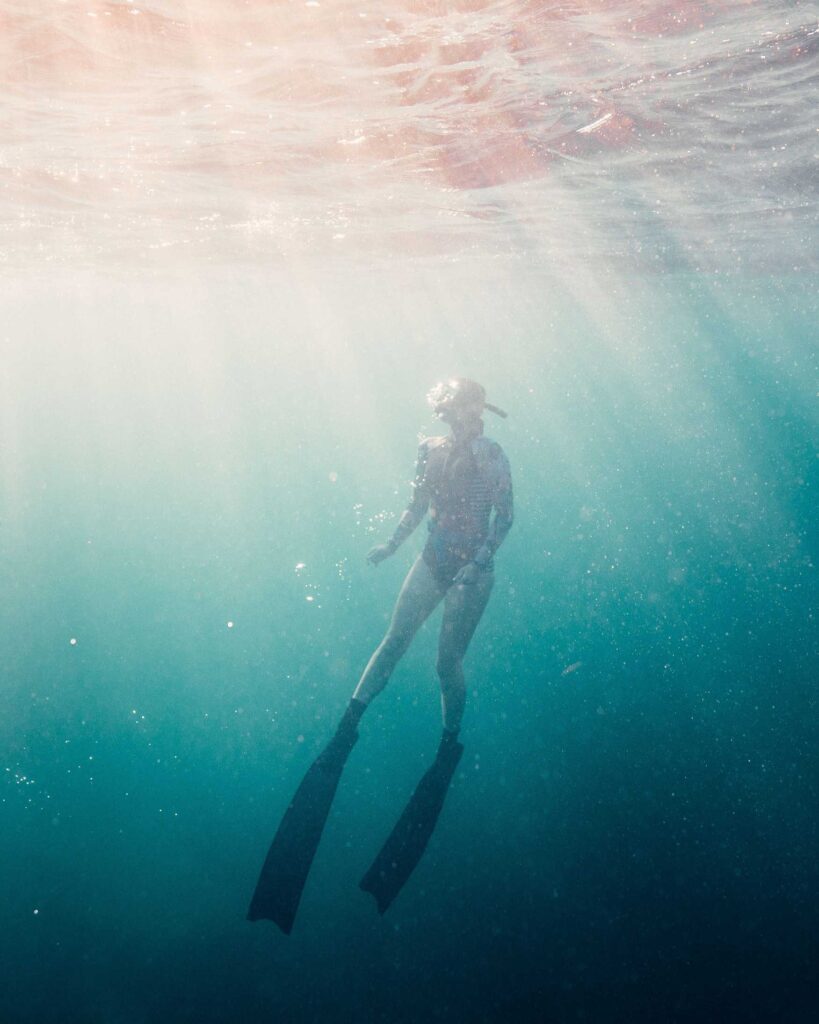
[
  {"x": 294, "y": 846},
  {"x": 406, "y": 843}
]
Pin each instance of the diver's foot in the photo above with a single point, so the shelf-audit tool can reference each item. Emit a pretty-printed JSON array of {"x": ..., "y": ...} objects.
[
  {"x": 449, "y": 745},
  {"x": 335, "y": 754}
]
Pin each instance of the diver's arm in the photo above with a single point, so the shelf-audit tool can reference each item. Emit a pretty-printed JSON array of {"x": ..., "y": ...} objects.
[
  {"x": 504, "y": 514},
  {"x": 412, "y": 514}
]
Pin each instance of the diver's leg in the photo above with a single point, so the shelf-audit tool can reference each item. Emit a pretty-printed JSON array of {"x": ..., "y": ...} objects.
[
  {"x": 463, "y": 609},
  {"x": 419, "y": 596},
  {"x": 284, "y": 872}
]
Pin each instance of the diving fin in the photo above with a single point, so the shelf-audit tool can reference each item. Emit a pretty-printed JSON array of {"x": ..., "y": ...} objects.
[
  {"x": 406, "y": 843},
  {"x": 294, "y": 846}
]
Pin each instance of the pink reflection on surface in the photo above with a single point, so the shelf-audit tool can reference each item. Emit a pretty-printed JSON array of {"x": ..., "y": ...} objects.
[{"x": 220, "y": 127}]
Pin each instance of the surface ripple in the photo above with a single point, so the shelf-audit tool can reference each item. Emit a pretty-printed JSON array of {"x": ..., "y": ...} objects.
[{"x": 660, "y": 134}]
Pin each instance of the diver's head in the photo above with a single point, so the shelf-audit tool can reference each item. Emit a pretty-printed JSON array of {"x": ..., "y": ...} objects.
[{"x": 460, "y": 400}]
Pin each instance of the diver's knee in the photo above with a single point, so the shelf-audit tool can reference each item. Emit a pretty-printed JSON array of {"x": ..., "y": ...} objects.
[{"x": 394, "y": 644}]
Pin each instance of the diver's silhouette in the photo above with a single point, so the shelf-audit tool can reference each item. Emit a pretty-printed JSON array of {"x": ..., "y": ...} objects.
[{"x": 460, "y": 479}]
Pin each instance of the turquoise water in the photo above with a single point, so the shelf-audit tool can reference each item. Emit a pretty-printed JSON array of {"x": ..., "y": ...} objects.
[
  {"x": 632, "y": 822},
  {"x": 239, "y": 245}
]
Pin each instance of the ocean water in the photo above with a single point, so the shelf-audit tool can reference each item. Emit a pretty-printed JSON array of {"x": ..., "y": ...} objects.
[{"x": 239, "y": 241}]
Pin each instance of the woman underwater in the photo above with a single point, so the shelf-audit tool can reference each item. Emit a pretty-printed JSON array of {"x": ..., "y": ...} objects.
[{"x": 460, "y": 480}]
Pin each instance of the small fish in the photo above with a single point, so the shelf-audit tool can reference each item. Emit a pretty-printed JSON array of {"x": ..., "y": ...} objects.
[{"x": 575, "y": 665}]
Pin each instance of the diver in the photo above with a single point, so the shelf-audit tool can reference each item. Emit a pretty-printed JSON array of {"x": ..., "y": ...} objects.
[{"x": 463, "y": 481}]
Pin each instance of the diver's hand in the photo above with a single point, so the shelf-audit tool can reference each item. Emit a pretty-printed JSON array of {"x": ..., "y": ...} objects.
[
  {"x": 379, "y": 553},
  {"x": 466, "y": 575}
]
